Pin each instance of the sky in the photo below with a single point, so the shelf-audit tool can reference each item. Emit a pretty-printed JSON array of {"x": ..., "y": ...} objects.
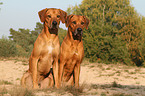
[{"x": 24, "y": 13}]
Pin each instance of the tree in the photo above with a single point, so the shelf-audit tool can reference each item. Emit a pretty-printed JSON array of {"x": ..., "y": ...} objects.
[
  {"x": 1, "y": 4},
  {"x": 114, "y": 33}
]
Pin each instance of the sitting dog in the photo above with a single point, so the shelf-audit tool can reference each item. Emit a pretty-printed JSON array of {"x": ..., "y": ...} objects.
[
  {"x": 72, "y": 51},
  {"x": 45, "y": 52}
]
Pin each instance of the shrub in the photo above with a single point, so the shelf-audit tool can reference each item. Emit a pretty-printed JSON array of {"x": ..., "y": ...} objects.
[{"x": 7, "y": 48}]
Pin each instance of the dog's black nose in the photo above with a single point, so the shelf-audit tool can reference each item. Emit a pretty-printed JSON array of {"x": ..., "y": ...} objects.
[
  {"x": 54, "y": 23},
  {"x": 79, "y": 29}
]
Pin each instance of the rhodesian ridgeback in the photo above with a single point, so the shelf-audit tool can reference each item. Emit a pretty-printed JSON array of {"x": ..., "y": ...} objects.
[
  {"x": 72, "y": 51},
  {"x": 46, "y": 50}
]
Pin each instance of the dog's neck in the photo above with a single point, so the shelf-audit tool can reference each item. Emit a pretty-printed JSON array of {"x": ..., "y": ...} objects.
[{"x": 50, "y": 33}]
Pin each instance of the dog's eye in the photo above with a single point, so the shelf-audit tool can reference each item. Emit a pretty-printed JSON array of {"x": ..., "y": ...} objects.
[
  {"x": 49, "y": 16},
  {"x": 58, "y": 16},
  {"x": 74, "y": 22},
  {"x": 82, "y": 23}
]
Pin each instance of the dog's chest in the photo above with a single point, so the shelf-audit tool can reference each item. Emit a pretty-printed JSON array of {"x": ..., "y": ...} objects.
[
  {"x": 50, "y": 47},
  {"x": 76, "y": 52},
  {"x": 73, "y": 51}
]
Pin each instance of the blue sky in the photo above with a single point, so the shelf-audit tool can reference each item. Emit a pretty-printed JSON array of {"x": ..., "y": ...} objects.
[{"x": 24, "y": 13}]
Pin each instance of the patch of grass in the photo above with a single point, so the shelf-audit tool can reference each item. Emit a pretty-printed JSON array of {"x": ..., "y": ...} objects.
[
  {"x": 137, "y": 82},
  {"x": 103, "y": 69},
  {"x": 74, "y": 91},
  {"x": 24, "y": 64},
  {"x": 92, "y": 66},
  {"x": 23, "y": 59},
  {"x": 108, "y": 68},
  {"x": 126, "y": 71},
  {"x": 16, "y": 61},
  {"x": 3, "y": 91},
  {"x": 135, "y": 78},
  {"x": 18, "y": 79},
  {"x": 118, "y": 72},
  {"x": 114, "y": 84},
  {"x": 127, "y": 76},
  {"x": 100, "y": 66},
  {"x": 2, "y": 82},
  {"x": 85, "y": 64},
  {"x": 66, "y": 90},
  {"x": 116, "y": 78},
  {"x": 120, "y": 94},
  {"x": 94, "y": 86},
  {"x": 103, "y": 94},
  {"x": 137, "y": 70},
  {"x": 92, "y": 93},
  {"x": 132, "y": 72},
  {"x": 142, "y": 73},
  {"x": 111, "y": 74},
  {"x": 16, "y": 91}
]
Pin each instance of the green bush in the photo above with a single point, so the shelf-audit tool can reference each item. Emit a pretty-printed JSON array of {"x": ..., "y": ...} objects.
[
  {"x": 7, "y": 48},
  {"x": 114, "y": 33}
]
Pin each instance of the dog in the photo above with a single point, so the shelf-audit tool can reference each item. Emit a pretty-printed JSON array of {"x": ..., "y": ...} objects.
[
  {"x": 46, "y": 51},
  {"x": 72, "y": 51}
]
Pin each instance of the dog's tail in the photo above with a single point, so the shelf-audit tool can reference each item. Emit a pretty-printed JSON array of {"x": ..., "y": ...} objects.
[{"x": 23, "y": 79}]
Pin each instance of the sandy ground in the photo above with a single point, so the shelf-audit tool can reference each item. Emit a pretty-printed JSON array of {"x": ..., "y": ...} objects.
[{"x": 97, "y": 78}]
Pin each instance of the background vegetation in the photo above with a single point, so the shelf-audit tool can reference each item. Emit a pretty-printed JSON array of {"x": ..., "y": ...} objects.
[{"x": 116, "y": 33}]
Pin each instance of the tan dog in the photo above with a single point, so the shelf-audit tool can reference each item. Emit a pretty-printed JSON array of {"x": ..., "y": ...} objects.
[
  {"x": 72, "y": 51},
  {"x": 46, "y": 50}
]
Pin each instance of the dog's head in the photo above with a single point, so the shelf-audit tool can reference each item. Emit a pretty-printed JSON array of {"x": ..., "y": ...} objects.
[
  {"x": 52, "y": 17},
  {"x": 77, "y": 23}
]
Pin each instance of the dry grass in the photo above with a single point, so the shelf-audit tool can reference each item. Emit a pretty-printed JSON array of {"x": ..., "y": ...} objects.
[
  {"x": 14, "y": 58},
  {"x": 15, "y": 91}
]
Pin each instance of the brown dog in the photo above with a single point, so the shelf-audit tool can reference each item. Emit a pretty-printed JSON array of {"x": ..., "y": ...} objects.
[
  {"x": 46, "y": 50},
  {"x": 72, "y": 51}
]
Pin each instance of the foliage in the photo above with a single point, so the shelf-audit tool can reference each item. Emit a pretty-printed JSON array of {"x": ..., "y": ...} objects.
[
  {"x": 7, "y": 47},
  {"x": 61, "y": 34},
  {"x": 115, "y": 31},
  {"x": 1, "y": 4}
]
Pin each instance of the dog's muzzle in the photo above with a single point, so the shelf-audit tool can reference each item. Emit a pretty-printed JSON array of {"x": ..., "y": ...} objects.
[
  {"x": 77, "y": 34},
  {"x": 54, "y": 24}
]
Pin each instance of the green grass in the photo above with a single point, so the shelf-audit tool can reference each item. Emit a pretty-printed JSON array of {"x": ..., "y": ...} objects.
[
  {"x": 2, "y": 82},
  {"x": 115, "y": 84},
  {"x": 3, "y": 91}
]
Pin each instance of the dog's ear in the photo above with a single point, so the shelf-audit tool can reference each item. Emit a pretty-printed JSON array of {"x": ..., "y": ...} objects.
[
  {"x": 63, "y": 15},
  {"x": 68, "y": 20},
  {"x": 86, "y": 22},
  {"x": 42, "y": 14}
]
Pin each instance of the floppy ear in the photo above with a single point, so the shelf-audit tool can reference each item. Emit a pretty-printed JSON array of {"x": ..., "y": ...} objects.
[
  {"x": 42, "y": 14},
  {"x": 63, "y": 15},
  {"x": 68, "y": 19},
  {"x": 86, "y": 22}
]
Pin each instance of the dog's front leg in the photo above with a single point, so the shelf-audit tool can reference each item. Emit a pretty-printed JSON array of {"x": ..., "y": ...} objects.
[
  {"x": 34, "y": 72},
  {"x": 55, "y": 71},
  {"x": 77, "y": 74}
]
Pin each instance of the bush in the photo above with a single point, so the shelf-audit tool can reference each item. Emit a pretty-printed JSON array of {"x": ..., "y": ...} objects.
[{"x": 7, "y": 48}]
